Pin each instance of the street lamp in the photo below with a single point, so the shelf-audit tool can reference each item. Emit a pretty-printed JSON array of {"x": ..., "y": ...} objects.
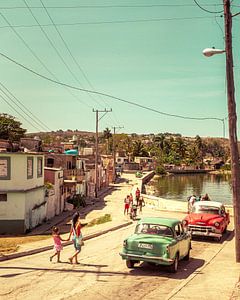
[
  {"x": 212, "y": 51},
  {"x": 232, "y": 121}
]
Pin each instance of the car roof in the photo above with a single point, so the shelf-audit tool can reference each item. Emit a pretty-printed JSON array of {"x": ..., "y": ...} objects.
[
  {"x": 208, "y": 203},
  {"x": 170, "y": 222}
]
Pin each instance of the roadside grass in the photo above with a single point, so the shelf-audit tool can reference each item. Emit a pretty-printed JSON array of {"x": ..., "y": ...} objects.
[
  {"x": 104, "y": 219},
  {"x": 11, "y": 244}
]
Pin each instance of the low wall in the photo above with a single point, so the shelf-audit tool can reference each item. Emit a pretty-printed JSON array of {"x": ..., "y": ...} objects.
[{"x": 165, "y": 204}]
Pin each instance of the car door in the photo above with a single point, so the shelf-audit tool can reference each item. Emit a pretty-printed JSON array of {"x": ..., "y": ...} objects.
[
  {"x": 185, "y": 240},
  {"x": 179, "y": 238}
]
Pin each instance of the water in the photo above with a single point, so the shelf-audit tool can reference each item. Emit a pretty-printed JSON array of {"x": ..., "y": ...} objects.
[{"x": 179, "y": 187}]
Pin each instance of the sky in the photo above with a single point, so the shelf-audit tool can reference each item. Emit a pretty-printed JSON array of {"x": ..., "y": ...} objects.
[{"x": 148, "y": 52}]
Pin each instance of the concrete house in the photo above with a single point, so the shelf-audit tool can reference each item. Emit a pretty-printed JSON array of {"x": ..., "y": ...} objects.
[
  {"x": 22, "y": 204},
  {"x": 54, "y": 195}
]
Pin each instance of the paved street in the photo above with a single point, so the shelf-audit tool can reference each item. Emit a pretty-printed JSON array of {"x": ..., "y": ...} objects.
[{"x": 102, "y": 274}]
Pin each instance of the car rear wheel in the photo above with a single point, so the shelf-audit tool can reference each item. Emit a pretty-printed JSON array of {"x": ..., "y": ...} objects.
[
  {"x": 173, "y": 267},
  {"x": 225, "y": 230},
  {"x": 130, "y": 263}
]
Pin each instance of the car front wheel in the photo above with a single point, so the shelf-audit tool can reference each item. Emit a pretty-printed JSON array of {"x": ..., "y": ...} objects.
[
  {"x": 173, "y": 267},
  {"x": 130, "y": 263}
]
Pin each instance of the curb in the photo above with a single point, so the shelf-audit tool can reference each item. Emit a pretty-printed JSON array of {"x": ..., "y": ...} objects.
[{"x": 46, "y": 248}]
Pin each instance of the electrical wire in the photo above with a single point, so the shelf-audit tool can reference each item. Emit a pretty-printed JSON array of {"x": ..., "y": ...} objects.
[
  {"x": 56, "y": 50},
  {"x": 107, "y": 6},
  {"x": 39, "y": 60},
  {"x": 9, "y": 104},
  {"x": 109, "y": 22},
  {"x": 206, "y": 10},
  {"x": 107, "y": 95},
  {"x": 67, "y": 47},
  {"x": 23, "y": 108}
]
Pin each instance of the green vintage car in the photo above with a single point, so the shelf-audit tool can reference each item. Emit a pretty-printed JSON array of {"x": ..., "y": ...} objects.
[{"x": 160, "y": 241}]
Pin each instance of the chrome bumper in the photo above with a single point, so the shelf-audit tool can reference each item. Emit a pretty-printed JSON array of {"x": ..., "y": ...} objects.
[
  {"x": 146, "y": 257},
  {"x": 203, "y": 232}
]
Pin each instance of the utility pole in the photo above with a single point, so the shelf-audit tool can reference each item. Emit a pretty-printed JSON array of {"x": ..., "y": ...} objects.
[
  {"x": 105, "y": 111},
  {"x": 232, "y": 121},
  {"x": 114, "y": 151}
]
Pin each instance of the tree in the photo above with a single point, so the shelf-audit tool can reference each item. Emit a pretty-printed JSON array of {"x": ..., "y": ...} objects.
[
  {"x": 139, "y": 149},
  {"x": 10, "y": 129},
  {"x": 107, "y": 135}
]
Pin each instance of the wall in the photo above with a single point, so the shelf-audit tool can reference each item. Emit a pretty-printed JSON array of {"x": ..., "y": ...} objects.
[
  {"x": 18, "y": 172},
  {"x": 12, "y": 214},
  {"x": 35, "y": 207}
]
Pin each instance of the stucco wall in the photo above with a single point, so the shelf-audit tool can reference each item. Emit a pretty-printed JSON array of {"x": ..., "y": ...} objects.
[
  {"x": 18, "y": 172},
  {"x": 35, "y": 208},
  {"x": 13, "y": 208}
]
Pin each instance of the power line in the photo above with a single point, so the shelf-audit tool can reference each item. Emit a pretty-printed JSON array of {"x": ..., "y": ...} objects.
[
  {"x": 110, "y": 22},
  {"x": 9, "y": 104},
  {"x": 37, "y": 57},
  {"x": 21, "y": 106},
  {"x": 108, "y": 95},
  {"x": 67, "y": 47},
  {"x": 53, "y": 46},
  {"x": 70, "y": 52},
  {"x": 107, "y": 6},
  {"x": 206, "y": 10}
]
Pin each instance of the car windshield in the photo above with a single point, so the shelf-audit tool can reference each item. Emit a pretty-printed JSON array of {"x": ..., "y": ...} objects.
[
  {"x": 201, "y": 209},
  {"x": 154, "y": 229}
]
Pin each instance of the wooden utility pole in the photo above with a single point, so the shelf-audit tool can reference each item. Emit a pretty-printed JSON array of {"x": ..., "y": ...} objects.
[
  {"x": 114, "y": 151},
  {"x": 232, "y": 121},
  {"x": 105, "y": 111}
]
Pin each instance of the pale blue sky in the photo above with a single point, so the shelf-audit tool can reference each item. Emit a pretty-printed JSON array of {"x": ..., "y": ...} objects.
[{"x": 154, "y": 63}]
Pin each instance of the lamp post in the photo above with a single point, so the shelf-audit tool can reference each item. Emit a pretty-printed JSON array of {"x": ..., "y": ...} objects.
[{"x": 232, "y": 121}]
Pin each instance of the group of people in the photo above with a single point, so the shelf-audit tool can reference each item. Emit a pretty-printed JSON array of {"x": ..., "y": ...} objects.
[
  {"x": 192, "y": 199},
  {"x": 77, "y": 239},
  {"x": 131, "y": 204}
]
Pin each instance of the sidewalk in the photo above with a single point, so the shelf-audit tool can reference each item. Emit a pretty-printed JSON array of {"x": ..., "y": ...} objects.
[{"x": 110, "y": 201}]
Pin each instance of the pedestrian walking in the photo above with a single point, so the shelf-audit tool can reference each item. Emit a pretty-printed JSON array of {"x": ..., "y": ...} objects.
[
  {"x": 130, "y": 199},
  {"x": 57, "y": 240},
  {"x": 141, "y": 203},
  {"x": 137, "y": 194},
  {"x": 126, "y": 204},
  {"x": 76, "y": 234},
  {"x": 205, "y": 198},
  {"x": 191, "y": 201}
]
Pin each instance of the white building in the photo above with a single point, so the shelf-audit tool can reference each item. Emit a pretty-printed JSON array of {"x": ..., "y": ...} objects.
[{"x": 22, "y": 204}]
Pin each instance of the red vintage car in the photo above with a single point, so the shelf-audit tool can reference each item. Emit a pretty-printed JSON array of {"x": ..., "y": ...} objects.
[{"x": 207, "y": 218}]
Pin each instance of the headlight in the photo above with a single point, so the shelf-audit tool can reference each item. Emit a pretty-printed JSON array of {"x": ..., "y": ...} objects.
[
  {"x": 184, "y": 222},
  {"x": 216, "y": 224},
  {"x": 125, "y": 243}
]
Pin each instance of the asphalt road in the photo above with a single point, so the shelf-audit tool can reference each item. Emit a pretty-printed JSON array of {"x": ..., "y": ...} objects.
[{"x": 101, "y": 274}]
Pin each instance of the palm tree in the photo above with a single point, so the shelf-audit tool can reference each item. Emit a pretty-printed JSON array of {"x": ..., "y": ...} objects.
[
  {"x": 139, "y": 149},
  {"x": 107, "y": 135}
]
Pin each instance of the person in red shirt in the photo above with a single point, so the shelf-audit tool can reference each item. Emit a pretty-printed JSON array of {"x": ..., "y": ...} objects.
[
  {"x": 126, "y": 204},
  {"x": 137, "y": 195}
]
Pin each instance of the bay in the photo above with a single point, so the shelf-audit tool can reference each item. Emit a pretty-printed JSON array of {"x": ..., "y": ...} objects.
[{"x": 180, "y": 187}]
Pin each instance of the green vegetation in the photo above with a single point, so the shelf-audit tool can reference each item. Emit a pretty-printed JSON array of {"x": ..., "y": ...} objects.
[
  {"x": 104, "y": 219},
  {"x": 11, "y": 244},
  {"x": 10, "y": 129}
]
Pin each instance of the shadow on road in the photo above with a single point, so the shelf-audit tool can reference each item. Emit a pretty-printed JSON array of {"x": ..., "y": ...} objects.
[
  {"x": 228, "y": 236},
  {"x": 185, "y": 269}
]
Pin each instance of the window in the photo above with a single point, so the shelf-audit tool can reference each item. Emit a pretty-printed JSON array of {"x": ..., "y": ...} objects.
[
  {"x": 178, "y": 230},
  {"x": 5, "y": 168},
  {"x": 3, "y": 197},
  {"x": 39, "y": 167},
  {"x": 50, "y": 162},
  {"x": 29, "y": 167}
]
